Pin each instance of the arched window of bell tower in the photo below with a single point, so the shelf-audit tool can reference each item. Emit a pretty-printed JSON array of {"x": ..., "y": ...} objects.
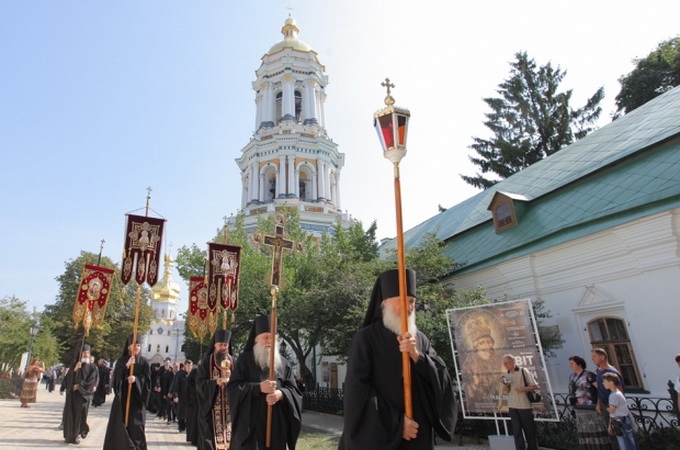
[
  {"x": 298, "y": 106},
  {"x": 305, "y": 182},
  {"x": 279, "y": 106},
  {"x": 270, "y": 183}
]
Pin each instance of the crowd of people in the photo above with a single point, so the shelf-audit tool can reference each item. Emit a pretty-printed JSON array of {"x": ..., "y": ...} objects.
[{"x": 254, "y": 401}]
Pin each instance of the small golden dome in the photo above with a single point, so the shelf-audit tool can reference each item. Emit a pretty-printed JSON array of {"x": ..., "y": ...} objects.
[{"x": 290, "y": 40}]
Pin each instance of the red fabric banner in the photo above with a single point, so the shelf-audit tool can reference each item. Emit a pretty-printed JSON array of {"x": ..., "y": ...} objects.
[
  {"x": 202, "y": 317},
  {"x": 141, "y": 255},
  {"x": 224, "y": 264},
  {"x": 93, "y": 293}
]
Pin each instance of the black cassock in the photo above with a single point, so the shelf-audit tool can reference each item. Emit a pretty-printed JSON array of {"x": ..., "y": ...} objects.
[
  {"x": 132, "y": 437},
  {"x": 211, "y": 400},
  {"x": 102, "y": 386},
  {"x": 249, "y": 408},
  {"x": 374, "y": 394},
  {"x": 179, "y": 391},
  {"x": 192, "y": 408},
  {"x": 78, "y": 402}
]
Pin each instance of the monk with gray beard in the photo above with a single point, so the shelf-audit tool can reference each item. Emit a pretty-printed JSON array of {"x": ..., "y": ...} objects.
[
  {"x": 251, "y": 392},
  {"x": 374, "y": 393}
]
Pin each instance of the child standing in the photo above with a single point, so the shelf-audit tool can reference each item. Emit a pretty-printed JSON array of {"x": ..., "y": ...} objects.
[{"x": 618, "y": 411}]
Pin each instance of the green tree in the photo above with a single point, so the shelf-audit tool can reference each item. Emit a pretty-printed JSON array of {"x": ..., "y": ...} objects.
[
  {"x": 15, "y": 338},
  {"x": 530, "y": 120},
  {"x": 653, "y": 75},
  {"x": 107, "y": 341},
  {"x": 323, "y": 291}
]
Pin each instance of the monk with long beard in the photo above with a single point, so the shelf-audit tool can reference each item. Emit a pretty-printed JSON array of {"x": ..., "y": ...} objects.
[
  {"x": 251, "y": 392},
  {"x": 374, "y": 394}
]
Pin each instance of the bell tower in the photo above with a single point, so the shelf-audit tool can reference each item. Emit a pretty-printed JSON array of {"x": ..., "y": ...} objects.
[{"x": 290, "y": 162}]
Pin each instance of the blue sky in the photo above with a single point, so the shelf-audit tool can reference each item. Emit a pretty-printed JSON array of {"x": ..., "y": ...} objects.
[{"x": 99, "y": 100}]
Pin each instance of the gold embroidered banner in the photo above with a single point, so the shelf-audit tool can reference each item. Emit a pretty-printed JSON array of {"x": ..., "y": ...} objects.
[
  {"x": 141, "y": 255},
  {"x": 93, "y": 293},
  {"x": 202, "y": 317},
  {"x": 224, "y": 264}
]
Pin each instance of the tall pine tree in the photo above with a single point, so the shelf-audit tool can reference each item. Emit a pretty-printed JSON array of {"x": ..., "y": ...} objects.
[{"x": 529, "y": 121}]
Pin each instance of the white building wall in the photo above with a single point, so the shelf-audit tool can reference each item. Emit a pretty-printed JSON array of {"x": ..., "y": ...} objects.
[{"x": 631, "y": 272}]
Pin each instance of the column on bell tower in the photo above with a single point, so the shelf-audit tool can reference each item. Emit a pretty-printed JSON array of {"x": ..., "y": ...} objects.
[
  {"x": 309, "y": 104},
  {"x": 288, "y": 92},
  {"x": 281, "y": 177},
  {"x": 254, "y": 182},
  {"x": 292, "y": 178},
  {"x": 244, "y": 189}
]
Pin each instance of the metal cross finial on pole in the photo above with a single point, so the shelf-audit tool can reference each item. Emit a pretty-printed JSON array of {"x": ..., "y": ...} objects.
[
  {"x": 389, "y": 100},
  {"x": 101, "y": 249},
  {"x": 290, "y": 10},
  {"x": 148, "y": 199}
]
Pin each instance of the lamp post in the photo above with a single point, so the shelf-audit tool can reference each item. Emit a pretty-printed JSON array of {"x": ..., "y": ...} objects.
[
  {"x": 33, "y": 330},
  {"x": 391, "y": 123}
]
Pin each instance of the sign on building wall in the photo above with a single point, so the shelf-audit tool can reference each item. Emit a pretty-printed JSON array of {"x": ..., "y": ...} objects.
[{"x": 480, "y": 337}]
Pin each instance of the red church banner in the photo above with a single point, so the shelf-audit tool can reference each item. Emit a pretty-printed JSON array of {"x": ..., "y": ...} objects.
[
  {"x": 141, "y": 255},
  {"x": 202, "y": 317},
  {"x": 93, "y": 293},
  {"x": 224, "y": 264}
]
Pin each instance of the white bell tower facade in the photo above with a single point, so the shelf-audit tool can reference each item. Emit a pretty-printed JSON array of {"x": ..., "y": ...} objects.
[{"x": 290, "y": 162}]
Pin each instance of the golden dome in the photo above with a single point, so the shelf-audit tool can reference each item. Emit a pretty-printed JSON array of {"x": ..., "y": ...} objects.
[
  {"x": 290, "y": 40},
  {"x": 166, "y": 290}
]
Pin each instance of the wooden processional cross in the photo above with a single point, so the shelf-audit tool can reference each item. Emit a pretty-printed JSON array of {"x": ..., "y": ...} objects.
[{"x": 278, "y": 243}]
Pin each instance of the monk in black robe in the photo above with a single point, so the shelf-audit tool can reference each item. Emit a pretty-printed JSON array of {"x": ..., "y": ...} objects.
[
  {"x": 79, "y": 383},
  {"x": 179, "y": 393},
  {"x": 118, "y": 435},
  {"x": 192, "y": 408},
  {"x": 102, "y": 385},
  {"x": 251, "y": 392},
  {"x": 374, "y": 394},
  {"x": 214, "y": 422}
]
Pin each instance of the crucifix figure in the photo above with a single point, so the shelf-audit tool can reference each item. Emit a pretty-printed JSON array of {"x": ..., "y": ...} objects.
[{"x": 278, "y": 242}]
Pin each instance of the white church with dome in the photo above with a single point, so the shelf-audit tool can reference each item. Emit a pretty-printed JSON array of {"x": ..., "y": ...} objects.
[{"x": 165, "y": 337}]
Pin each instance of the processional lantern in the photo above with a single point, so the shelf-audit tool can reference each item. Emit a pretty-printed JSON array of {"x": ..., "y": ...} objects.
[{"x": 391, "y": 123}]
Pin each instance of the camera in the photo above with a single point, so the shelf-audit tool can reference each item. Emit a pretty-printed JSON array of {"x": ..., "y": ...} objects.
[{"x": 505, "y": 380}]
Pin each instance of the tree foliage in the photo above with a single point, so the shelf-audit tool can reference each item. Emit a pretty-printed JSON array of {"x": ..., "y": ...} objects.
[
  {"x": 15, "y": 338},
  {"x": 653, "y": 75},
  {"x": 530, "y": 120},
  {"x": 108, "y": 340},
  {"x": 323, "y": 291}
]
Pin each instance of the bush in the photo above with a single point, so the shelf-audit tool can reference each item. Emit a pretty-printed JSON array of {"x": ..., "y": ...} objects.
[
  {"x": 666, "y": 438},
  {"x": 7, "y": 387}
]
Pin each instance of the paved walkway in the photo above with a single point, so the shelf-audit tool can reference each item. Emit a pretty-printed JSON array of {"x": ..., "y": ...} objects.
[{"x": 36, "y": 427}]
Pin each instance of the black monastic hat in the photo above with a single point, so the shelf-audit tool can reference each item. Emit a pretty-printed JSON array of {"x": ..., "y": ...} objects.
[
  {"x": 85, "y": 348},
  {"x": 260, "y": 325},
  {"x": 387, "y": 286},
  {"x": 222, "y": 336}
]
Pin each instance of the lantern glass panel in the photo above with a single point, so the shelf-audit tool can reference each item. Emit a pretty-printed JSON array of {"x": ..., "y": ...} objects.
[
  {"x": 386, "y": 128},
  {"x": 401, "y": 123}
]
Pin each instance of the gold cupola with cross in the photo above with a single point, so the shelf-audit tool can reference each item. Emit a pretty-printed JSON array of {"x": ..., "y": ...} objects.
[{"x": 290, "y": 162}]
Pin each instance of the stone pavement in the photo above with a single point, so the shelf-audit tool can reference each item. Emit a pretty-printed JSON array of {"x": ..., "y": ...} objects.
[{"x": 36, "y": 427}]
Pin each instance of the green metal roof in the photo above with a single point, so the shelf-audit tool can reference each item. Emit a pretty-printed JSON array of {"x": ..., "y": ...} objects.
[{"x": 627, "y": 169}]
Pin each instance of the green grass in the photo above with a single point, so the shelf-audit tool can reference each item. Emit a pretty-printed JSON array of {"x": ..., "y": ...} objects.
[{"x": 316, "y": 441}]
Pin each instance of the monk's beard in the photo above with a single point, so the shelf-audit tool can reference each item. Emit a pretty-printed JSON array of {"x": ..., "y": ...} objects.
[
  {"x": 262, "y": 356},
  {"x": 220, "y": 356},
  {"x": 392, "y": 321}
]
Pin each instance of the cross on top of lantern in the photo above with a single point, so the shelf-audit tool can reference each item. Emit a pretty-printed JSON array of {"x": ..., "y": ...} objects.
[{"x": 391, "y": 123}]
